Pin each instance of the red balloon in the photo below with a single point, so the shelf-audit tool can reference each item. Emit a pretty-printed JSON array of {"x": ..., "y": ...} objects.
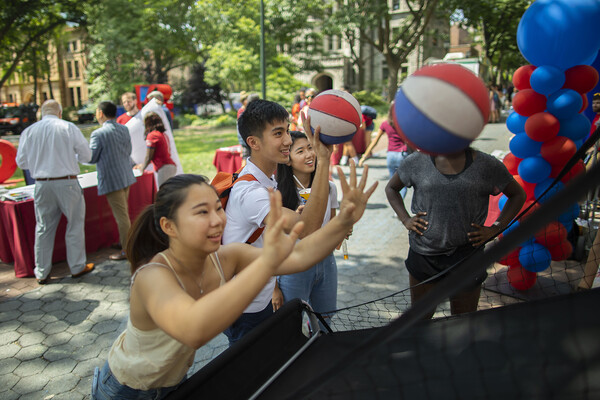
[
  {"x": 528, "y": 102},
  {"x": 512, "y": 163},
  {"x": 511, "y": 258},
  {"x": 531, "y": 210},
  {"x": 573, "y": 172},
  {"x": 528, "y": 187},
  {"x": 520, "y": 278},
  {"x": 542, "y": 126},
  {"x": 552, "y": 235},
  {"x": 521, "y": 77},
  {"x": 558, "y": 150},
  {"x": 585, "y": 102},
  {"x": 581, "y": 78},
  {"x": 561, "y": 252}
]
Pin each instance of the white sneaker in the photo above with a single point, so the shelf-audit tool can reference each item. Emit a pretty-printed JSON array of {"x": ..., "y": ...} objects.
[{"x": 344, "y": 160}]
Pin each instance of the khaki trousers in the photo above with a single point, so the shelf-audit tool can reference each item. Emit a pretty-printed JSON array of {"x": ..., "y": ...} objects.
[{"x": 120, "y": 209}]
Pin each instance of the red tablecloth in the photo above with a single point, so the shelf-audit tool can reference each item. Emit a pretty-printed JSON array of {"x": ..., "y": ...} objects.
[
  {"x": 17, "y": 225},
  {"x": 228, "y": 159}
]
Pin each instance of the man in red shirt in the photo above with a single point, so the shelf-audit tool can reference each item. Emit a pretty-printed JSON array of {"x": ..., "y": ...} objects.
[
  {"x": 596, "y": 109},
  {"x": 129, "y": 101}
]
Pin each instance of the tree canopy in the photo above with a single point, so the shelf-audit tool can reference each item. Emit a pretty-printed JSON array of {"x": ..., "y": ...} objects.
[{"x": 28, "y": 24}]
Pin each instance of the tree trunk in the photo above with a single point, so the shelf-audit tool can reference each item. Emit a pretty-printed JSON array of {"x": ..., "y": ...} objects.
[
  {"x": 361, "y": 63},
  {"x": 62, "y": 83},
  {"x": 35, "y": 77}
]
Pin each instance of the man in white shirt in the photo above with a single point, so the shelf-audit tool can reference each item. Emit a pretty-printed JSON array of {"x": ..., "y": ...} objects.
[
  {"x": 51, "y": 149},
  {"x": 264, "y": 127}
]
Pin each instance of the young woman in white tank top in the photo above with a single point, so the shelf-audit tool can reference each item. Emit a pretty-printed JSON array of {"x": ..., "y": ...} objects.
[{"x": 182, "y": 294}]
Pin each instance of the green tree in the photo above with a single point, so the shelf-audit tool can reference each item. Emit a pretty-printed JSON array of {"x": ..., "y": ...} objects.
[
  {"x": 394, "y": 34},
  {"x": 140, "y": 43},
  {"x": 31, "y": 23},
  {"x": 497, "y": 22}
]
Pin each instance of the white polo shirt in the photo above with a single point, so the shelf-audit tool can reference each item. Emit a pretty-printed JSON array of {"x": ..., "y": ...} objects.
[{"x": 247, "y": 208}]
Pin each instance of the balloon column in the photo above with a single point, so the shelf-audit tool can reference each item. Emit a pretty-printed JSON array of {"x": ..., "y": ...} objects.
[{"x": 560, "y": 38}]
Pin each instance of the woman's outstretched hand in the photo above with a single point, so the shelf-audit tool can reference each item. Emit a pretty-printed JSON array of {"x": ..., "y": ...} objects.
[
  {"x": 278, "y": 245},
  {"x": 355, "y": 197}
]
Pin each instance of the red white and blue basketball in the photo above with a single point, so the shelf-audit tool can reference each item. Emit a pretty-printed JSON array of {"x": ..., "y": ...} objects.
[
  {"x": 337, "y": 113},
  {"x": 441, "y": 109}
]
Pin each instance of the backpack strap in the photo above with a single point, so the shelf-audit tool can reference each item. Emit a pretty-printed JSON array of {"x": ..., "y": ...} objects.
[{"x": 248, "y": 178}]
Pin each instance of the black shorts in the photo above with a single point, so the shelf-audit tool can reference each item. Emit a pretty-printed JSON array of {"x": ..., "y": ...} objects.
[{"x": 423, "y": 267}]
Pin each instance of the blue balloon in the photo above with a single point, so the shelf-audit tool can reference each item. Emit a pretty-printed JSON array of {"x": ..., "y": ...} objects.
[
  {"x": 567, "y": 224},
  {"x": 534, "y": 257},
  {"x": 547, "y": 79},
  {"x": 534, "y": 169},
  {"x": 565, "y": 103},
  {"x": 522, "y": 146},
  {"x": 579, "y": 143},
  {"x": 515, "y": 122},
  {"x": 511, "y": 228},
  {"x": 575, "y": 127},
  {"x": 561, "y": 33},
  {"x": 545, "y": 184},
  {"x": 502, "y": 202}
]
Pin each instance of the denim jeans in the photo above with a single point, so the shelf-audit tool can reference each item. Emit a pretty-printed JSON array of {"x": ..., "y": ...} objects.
[
  {"x": 317, "y": 286},
  {"x": 393, "y": 162},
  {"x": 246, "y": 323},
  {"x": 106, "y": 387}
]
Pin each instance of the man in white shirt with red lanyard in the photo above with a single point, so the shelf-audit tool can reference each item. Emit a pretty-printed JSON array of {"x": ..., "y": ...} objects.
[{"x": 51, "y": 149}]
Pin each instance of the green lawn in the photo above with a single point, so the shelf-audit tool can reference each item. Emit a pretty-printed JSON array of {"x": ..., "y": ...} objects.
[{"x": 196, "y": 147}]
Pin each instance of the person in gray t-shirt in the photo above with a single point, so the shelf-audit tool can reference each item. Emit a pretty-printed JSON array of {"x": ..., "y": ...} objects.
[{"x": 450, "y": 204}]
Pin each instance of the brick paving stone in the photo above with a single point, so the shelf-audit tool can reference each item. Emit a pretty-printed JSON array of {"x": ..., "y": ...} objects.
[
  {"x": 60, "y": 367},
  {"x": 57, "y": 339},
  {"x": 31, "y": 305},
  {"x": 10, "y": 305},
  {"x": 62, "y": 384},
  {"x": 72, "y": 395},
  {"x": 76, "y": 306},
  {"x": 106, "y": 326},
  {"x": 31, "y": 316},
  {"x": 55, "y": 327},
  {"x": 9, "y": 337},
  {"x": 9, "y": 395},
  {"x": 33, "y": 326},
  {"x": 7, "y": 366},
  {"x": 84, "y": 386},
  {"x": 86, "y": 367},
  {"x": 82, "y": 327},
  {"x": 9, "y": 315},
  {"x": 76, "y": 317},
  {"x": 87, "y": 352},
  {"x": 29, "y": 339},
  {"x": 30, "y": 367},
  {"x": 31, "y": 352},
  {"x": 56, "y": 353},
  {"x": 30, "y": 384},
  {"x": 8, "y": 381}
]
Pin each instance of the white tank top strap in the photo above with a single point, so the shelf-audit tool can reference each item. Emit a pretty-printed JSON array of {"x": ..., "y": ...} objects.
[
  {"x": 214, "y": 257},
  {"x": 168, "y": 266}
]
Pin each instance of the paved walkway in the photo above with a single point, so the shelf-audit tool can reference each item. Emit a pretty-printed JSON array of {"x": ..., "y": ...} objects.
[{"x": 52, "y": 337}]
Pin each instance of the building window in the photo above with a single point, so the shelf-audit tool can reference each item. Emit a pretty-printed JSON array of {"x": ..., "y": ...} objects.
[
  {"x": 76, "y": 69},
  {"x": 78, "y": 96},
  {"x": 69, "y": 69},
  {"x": 44, "y": 96},
  {"x": 72, "y": 99},
  {"x": 10, "y": 98},
  {"x": 395, "y": 5},
  {"x": 75, "y": 45}
]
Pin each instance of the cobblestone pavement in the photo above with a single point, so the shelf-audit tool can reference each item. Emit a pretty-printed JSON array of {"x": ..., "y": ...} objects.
[{"x": 52, "y": 337}]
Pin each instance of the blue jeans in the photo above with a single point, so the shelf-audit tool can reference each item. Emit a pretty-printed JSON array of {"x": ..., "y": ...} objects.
[
  {"x": 106, "y": 387},
  {"x": 246, "y": 323},
  {"x": 393, "y": 162},
  {"x": 317, "y": 286}
]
